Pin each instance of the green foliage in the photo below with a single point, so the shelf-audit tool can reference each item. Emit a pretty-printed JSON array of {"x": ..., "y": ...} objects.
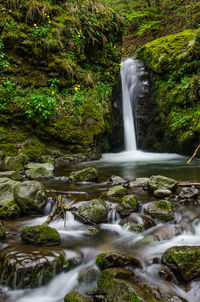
[
  {"x": 7, "y": 93},
  {"x": 41, "y": 30},
  {"x": 4, "y": 64}
]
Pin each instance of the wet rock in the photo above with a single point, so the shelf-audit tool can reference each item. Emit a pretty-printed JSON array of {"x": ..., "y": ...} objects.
[
  {"x": 10, "y": 210},
  {"x": 30, "y": 268},
  {"x": 75, "y": 297},
  {"x": 113, "y": 284},
  {"x": 140, "y": 182},
  {"x": 14, "y": 175},
  {"x": 7, "y": 190},
  {"x": 117, "y": 179},
  {"x": 70, "y": 158},
  {"x": 13, "y": 163},
  {"x": 162, "y": 193},
  {"x": 129, "y": 205},
  {"x": 189, "y": 192},
  {"x": 31, "y": 196},
  {"x": 94, "y": 210},
  {"x": 112, "y": 259},
  {"x": 88, "y": 276},
  {"x": 162, "y": 210},
  {"x": 117, "y": 190},
  {"x": 183, "y": 262},
  {"x": 24, "y": 158},
  {"x": 88, "y": 174},
  {"x": 165, "y": 274},
  {"x": 2, "y": 231},
  {"x": 137, "y": 222},
  {"x": 37, "y": 171},
  {"x": 159, "y": 182},
  {"x": 40, "y": 235},
  {"x": 165, "y": 232}
]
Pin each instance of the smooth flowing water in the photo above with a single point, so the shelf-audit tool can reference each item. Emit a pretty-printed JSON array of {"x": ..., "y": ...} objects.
[{"x": 78, "y": 239}]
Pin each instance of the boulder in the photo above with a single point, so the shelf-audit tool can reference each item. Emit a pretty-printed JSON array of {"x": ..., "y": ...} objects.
[
  {"x": 37, "y": 171},
  {"x": 31, "y": 196},
  {"x": 42, "y": 235},
  {"x": 112, "y": 259},
  {"x": 189, "y": 192},
  {"x": 183, "y": 262},
  {"x": 159, "y": 182},
  {"x": 117, "y": 190},
  {"x": 161, "y": 193},
  {"x": 88, "y": 174},
  {"x": 2, "y": 231},
  {"x": 141, "y": 181},
  {"x": 75, "y": 297},
  {"x": 14, "y": 175},
  {"x": 7, "y": 190},
  {"x": 117, "y": 179},
  {"x": 161, "y": 210},
  {"x": 10, "y": 210},
  {"x": 29, "y": 268},
  {"x": 94, "y": 210},
  {"x": 129, "y": 205},
  {"x": 137, "y": 222},
  {"x": 13, "y": 163}
]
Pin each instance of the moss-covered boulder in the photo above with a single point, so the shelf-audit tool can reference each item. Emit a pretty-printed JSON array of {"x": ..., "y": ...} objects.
[
  {"x": 117, "y": 190},
  {"x": 2, "y": 231},
  {"x": 159, "y": 53},
  {"x": 112, "y": 259},
  {"x": 128, "y": 205},
  {"x": 75, "y": 297},
  {"x": 119, "y": 285},
  {"x": 94, "y": 210},
  {"x": 88, "y": 174},
  {"x": 137, "y": 222},
  {"x": 12, "y": 163},
  {"x": 14, "y": 175},
  {"x": 161, "y": 210},
  {"x": 7, "y": 190},
  {"x": 159, "y": 182},
  {"x": 10, "y": 210},
  {"x": 29, "y": 268},
  {"x": 184, "y": 261},
  {"x": 161, "y": 193},
  {"x": 40, "y": 235},
  {"x": 31, "y": 196},
  {"x": 37, "y": 171},
  {"x": 189, "y": 192}
]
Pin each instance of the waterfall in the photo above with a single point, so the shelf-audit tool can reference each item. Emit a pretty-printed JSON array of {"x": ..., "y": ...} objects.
[{"x": 129, "y": 79}]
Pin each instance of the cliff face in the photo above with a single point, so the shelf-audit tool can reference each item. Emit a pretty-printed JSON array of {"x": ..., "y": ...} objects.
[
  {"x": 59, "y": 61},
  {"x": 174, "y": 64}
]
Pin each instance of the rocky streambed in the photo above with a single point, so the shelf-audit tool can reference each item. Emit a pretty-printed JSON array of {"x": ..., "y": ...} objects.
[{"x": 119, "y": 237}]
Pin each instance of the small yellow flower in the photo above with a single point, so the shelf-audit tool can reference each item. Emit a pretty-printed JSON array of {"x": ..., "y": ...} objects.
[
  {"x": 10, "y": 11},
  {"x": 45, "y": 14},
  {"x": 97, "y": 11},
  {"x": 53, "y": 92},
  {"x": 114, "y": 47},
  {"x": 79, "y": 35},
  {"x": 35, "y": 24},
  {"x": 48, "y": 16},
  {"x": 49, "y": 21},
  {"x": 122, "y": 49},
  {"x": 120, "y": 64},
  {"x": 83, "y": 37},
  {"x": 80, "y": 30},
  {"x": 76, "y": 88}
]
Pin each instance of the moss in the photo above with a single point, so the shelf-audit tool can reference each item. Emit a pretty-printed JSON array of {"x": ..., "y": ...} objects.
[
  {"x": 163, "y": 204},
  {"x": 117, "y": 190},
  {"x": 101, "y": 260},
  {"x": 75, "y": 297},
  {"x": 40, "y": 235},
  {"x": 160, "y": 53},
  {"x": 88, "y": 174},
  {"x": 10, "y": 210}
]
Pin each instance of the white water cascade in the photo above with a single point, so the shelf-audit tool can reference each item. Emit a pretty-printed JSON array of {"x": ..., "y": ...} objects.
[{"x": 129, "y": 79}]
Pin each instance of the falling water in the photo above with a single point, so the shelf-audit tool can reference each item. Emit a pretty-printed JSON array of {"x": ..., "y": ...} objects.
[{"x": 129, "y": 79}]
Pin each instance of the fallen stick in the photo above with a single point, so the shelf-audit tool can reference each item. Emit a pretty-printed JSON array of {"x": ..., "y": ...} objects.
[
  {"x": 195, "y": 152},
  {"x": 189, "y": 184}
]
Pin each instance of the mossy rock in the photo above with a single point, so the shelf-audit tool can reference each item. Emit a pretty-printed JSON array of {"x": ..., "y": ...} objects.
[
  {"x": 28, "y": 268},
  {"x": 162, "y": 210},
  {"x": 37, "y": 171},
  {"x": 14, "y": 175},
  {"x": 40, "y": 235},
  {"x": 184, "y": 261},
  {"x": 112, "y": 259},
  {"x": 159, "y": 182},
  {"x": 137, "y": 222},
  {"x": 117, "y": 190},
  {"x": 10, "y": 210},
  {"x": 129, "y": 205},
  {"x": 34, "y": 149},
  {"x": 88, "y": 174},
  {"x": 7, "y": 187},
  {"x": 160, "y": 53},
  {"x": 133, "y": 227},
  {"x": 12, "y": 163},
  {"x": 31, "y": 196},
  {"x": 75, "y": 297},
  {"x": 94, "y": 210},
  {"x": 2, "y": 231}
]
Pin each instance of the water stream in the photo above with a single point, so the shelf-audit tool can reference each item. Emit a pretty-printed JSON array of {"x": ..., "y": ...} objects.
[{"x": 76, "y": 237}]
